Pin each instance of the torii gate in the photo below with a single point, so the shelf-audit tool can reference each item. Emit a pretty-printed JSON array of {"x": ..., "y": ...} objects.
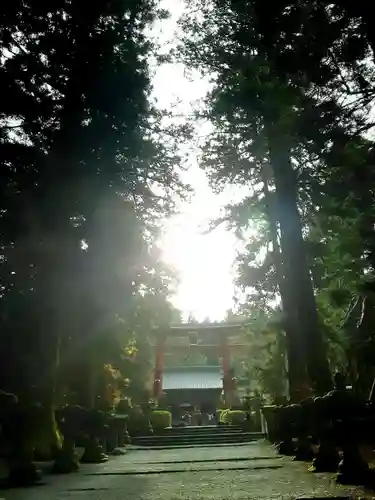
[{"x": 222, "y": 347}]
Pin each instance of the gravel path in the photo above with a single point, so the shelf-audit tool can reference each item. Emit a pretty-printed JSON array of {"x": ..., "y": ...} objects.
[{"x": 251, "y": 472}]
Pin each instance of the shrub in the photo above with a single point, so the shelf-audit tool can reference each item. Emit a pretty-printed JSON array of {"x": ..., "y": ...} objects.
[
  {"x": 224, "y": 416},
  {"x": 160, "y": 419},
  {"x": 218, "y": 414},
  {"x": 236, "y": 417}
]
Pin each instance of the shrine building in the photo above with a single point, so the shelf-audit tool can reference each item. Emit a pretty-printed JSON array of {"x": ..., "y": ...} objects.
[{"x": 204, "y": 385}]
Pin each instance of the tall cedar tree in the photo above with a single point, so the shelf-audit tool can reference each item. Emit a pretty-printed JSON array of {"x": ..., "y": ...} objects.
[
  {"x": 81, "y": 154},
  {"x": 330, "y": 46},
  {"x": 256, "y": 112}
]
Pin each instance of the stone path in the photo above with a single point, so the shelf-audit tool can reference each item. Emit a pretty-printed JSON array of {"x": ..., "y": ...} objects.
[{"x": 251, "y": 472}]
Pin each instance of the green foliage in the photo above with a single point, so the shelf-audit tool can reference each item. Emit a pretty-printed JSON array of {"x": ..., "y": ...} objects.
[
  {"x": 160, "y": 419},
  {"x": 232, "y": 417},
  {"x": 266, "y": 369},
  {"x": 223, "y": 418},
  {"x": 236, "y": 417},
  {"x": 256, "y": 142},
  {"x": 291, "y": 95},
  {"x": 88, "y": 173}
]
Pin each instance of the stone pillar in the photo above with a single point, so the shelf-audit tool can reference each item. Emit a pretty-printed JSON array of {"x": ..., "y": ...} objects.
[{"x": 159, "y": 365}]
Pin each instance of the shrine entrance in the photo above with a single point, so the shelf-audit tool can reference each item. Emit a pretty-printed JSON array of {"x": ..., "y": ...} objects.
[
  {"x": 191, "y": 388},
  {"x": 206, "y": 381}
]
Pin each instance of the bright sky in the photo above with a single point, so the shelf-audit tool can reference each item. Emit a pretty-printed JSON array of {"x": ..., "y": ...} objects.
[{"x": 204, "y": 261}]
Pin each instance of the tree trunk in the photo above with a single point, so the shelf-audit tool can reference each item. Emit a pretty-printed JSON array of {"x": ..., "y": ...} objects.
[
  {"x": 296, "y": 368},
  {"x": 298, "y": 285}
]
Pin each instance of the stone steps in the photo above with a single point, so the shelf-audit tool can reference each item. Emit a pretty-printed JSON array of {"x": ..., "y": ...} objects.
[
  {"x": 195, "y": 437},
  {"x": 203, "y": 429}
]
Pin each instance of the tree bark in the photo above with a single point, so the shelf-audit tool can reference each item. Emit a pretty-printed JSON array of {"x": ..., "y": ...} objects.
[
  {"x": 298, "y": 285},
  {"x": 296, "y": 368}
]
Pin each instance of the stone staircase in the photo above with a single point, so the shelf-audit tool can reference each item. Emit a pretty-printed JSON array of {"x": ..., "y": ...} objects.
[{"x": 190, "y": 436}]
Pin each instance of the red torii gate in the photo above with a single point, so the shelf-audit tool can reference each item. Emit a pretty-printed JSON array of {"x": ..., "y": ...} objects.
[{"x": 221, "y": 331}]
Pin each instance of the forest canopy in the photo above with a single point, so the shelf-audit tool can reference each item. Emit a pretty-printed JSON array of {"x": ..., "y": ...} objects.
[{"x": 91, "y": 171}]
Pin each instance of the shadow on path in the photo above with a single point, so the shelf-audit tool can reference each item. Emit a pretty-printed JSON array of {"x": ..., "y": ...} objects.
[
  {"x": 174, "y": 471},
  {"x": 203, "y": 460},
  {"x": 87, "y": 483}
]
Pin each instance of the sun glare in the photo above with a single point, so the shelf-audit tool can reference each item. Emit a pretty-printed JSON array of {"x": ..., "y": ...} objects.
[
  {"x": 203, "y": 261},
  {"x": 204, "y": 266}
]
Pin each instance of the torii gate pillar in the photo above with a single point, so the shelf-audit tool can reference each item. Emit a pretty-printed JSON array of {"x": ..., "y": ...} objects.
[{"x": 159, "y": 366}]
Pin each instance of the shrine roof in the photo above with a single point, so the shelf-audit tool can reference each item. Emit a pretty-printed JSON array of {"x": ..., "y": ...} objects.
[
  {"x": 192, "y": 377},
  {"x": 196, "y": 327}
]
